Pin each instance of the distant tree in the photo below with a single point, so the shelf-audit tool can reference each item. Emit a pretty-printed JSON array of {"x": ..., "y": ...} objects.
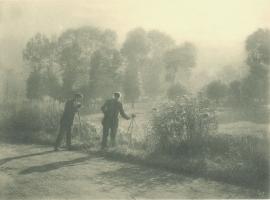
[
  {"x": 234, "y": 93},
  {"x": 104, "y": 75},
  {"x": 13, "y": 86},
  {"x": 254, "y": 91},
  {"x": 39, "y": 55},
  {"x": 69, "y": 60},
  {"x": 52, "y": 86},
  {"x": 258, "y": 49},
  {"x": 179, "y": 59},
  {"x": 34, "y": 85},
  {"x": 256, "y": 85},
  {"x": 230, "y": 73},
  {"x": 216, "y": 90},
  {"x": 175, "y": 91},
  {"x": 158, "y": 43},
  {"x": 135, "y": 46},
  {"x": 131, "y": 85},
  {"x": 51, "y": 76},
  {"x": 36, "y": 52},
  {"x": 90, "y": 39},
  {"x": 76, "y": 47},
  {"x": 134, "y": 50},
  {"x": 152, "y": 79}
]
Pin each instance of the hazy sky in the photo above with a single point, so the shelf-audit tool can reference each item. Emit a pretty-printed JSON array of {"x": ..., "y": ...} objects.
[{"x": 217, "y": 27}]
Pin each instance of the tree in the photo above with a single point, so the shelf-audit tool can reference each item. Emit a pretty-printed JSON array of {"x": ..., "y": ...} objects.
[
  {"x": 256, "y": 85},
  {"x": 135, "y": 46},
  {"x": 104, "y": 77},
  {"x": 51, "y": 84},
  {"x": 69, "y": 60},
  {"x": 34, "y": 85},
  {"x": 76, "y": 47},
  {"x": 216, "y": 90},
  {"x": 135, "y": 49},
  {"x": 158, "y": 43},
  {"x": 13, "y": 85},
  {"x": 234, "y": 93},
  {"x": 90, "y": 39},
  {"x": 131, "y": 88},
  {"x": 36, "y": 52},
  {"x": 51, "y": 76},
  {"x": 39, "y": 55},
  {"x": 254, "y": 90},
  {"x": 179, "y": 59},
  {"x": 175, "y": 91},
  {"x": 258, "y": 49}
]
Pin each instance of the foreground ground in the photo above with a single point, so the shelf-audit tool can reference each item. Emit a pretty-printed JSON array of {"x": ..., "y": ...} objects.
[{"x": 37, "y": 172}]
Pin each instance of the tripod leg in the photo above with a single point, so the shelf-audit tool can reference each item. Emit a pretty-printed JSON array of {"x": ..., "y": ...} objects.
[
  {"x": 131, "y": 130},
  {"x": 135, "y": 122},
  {"x": 129, "y": 127}
]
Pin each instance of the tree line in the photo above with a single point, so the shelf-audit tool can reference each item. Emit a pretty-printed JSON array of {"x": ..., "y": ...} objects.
[
  {"x": 254, "y": 88},
  {"x": 91, "y": 60},
  {"x": 148, "y": 63},
  {"x": 251, "y": 90}
]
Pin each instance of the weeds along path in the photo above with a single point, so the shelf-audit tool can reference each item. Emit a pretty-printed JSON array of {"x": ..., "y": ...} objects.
[{"x": 37, "y": 172}]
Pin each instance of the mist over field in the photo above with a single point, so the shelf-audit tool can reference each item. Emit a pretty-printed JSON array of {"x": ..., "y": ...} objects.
[
  {"x": 217, "y": 28},
  {"x": 152, "y": 98}
]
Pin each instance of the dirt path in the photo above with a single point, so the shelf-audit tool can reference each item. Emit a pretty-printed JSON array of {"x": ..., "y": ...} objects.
[{"x": 36, "y": 172}]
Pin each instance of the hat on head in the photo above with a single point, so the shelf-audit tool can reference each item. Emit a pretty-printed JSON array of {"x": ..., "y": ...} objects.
[{"x": 117, "y": 94}]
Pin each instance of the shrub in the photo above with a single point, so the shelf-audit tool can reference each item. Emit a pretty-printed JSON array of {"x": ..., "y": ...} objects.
[
  {"x": 86, "y": 134},
  {"x": 31, "y": 120},
  {"x": 180, "y": 126},
  {"x": 244, "y": 159}
]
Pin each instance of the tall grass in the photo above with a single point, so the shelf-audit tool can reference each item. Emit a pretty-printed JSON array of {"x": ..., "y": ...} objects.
[
  {"x": 38, "y": 122},
  {"x": 181, "y": 135},
  {"x": 31, "y": 121}
]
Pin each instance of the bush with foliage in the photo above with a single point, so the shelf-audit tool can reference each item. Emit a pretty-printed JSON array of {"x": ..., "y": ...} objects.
[
  {"x": 181, "y": 126},
  {"x": 35, "y": 121},
  {"x": 244, "y": 159}
]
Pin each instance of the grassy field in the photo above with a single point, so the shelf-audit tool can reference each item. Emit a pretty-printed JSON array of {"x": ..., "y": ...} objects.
[
  {"x": 237, "y": 152},
  {"x": 144, "y": 111}
]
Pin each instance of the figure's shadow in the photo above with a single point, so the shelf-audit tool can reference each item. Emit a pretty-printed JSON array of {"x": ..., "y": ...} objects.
[
  {"x": 54, "y": 165},
  {"x": 5, "y": 160}
]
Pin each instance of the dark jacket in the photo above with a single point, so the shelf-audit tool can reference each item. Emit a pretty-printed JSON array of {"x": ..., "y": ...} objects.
[
  {"x": 69, "y": 112},
  {"x": 111, "y": 109}
]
